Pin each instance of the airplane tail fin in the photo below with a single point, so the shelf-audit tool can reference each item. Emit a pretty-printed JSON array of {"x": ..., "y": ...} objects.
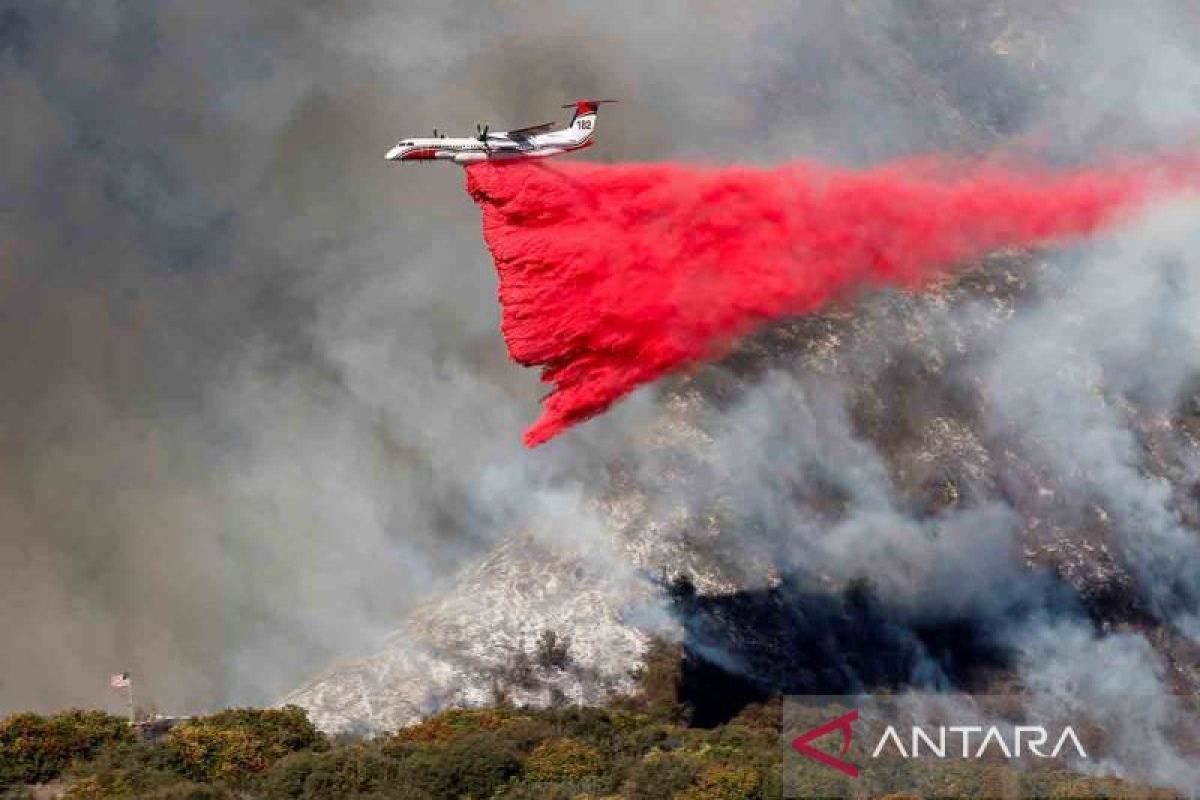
[{"x": 584, "y": 120}]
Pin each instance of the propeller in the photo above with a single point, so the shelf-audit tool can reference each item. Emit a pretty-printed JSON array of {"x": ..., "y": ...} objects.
[
  {"x": 483, "y": 135},
  {"x": 435, "y": 133}
]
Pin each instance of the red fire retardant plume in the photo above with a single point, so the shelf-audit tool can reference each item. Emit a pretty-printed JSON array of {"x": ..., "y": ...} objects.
[{"x": 614, "y": 275}]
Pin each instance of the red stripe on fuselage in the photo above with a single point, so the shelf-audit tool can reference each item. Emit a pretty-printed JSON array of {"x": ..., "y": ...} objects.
[{"x": 425, "y": 154}]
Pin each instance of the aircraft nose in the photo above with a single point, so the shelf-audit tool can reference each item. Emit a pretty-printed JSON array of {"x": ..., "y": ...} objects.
[{"x": 393, "y": 154}]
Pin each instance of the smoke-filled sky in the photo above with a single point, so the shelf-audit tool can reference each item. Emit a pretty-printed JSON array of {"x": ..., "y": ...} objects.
[{"x": 255, "y": 403}]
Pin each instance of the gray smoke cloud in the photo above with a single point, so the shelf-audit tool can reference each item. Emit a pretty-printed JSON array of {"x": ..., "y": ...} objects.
[
  {"x": 1122, "y": 329},
  {"x": 254, "y": 379},
  {"x": 1076, "y": 391},
  {"x": 256, "y": 405},
  {"x": 1064, "y": 412}
]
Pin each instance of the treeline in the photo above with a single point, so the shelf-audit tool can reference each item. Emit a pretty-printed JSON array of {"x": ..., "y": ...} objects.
[
  {"x": 636, "y": 748},
  {"x": 481, "y": 753}
]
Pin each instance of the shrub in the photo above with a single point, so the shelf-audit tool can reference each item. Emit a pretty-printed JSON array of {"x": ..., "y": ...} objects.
[
  {"x": 564, "y": 760},
  {"x": 286, "y": 777},
  {"x": 474, "y": 766},
  {"x": 766, "y": 716},
  {"x": 659, "y": 776},
  {"x": 395, "y": 793},
  {"x": 186, "y": 790},
  {"x": 237, "y": 744},
  {"x": 523, "y": 735},
  {"x": 36, "y": 749},
  {"x": 333, "y": 775},
  {"x": 456, "y": 722},
  {"x": 723, "y": 783},
  {"x": 648, "y": 738},
  {"x": 556, "y": 791},
  {"x": 161, "y": 786},
  {"x": 126, "y": 769},
  {"x": 597, "y": 726}
]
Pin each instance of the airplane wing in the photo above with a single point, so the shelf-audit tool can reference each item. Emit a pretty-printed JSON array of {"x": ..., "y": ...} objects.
[{"x": 532, "y": 130}]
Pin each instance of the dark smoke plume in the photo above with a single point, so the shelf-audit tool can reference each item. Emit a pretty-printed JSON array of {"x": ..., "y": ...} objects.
[{"x": 613, "y": 276}]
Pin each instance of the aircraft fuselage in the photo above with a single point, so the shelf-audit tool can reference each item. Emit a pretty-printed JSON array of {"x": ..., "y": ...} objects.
[{"x": 535, "y": 142}]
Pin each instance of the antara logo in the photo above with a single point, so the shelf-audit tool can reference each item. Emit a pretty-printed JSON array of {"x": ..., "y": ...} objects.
[
  {"x": 938, "y": 742},
  {"x": 1033, "y": 736},
  {"x": 844, "y": 724}
]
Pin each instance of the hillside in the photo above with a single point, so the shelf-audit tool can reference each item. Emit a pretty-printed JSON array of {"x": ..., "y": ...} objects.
[
  {"x": 1004, "y": 468},
  {"x": 261, "y": 435}
]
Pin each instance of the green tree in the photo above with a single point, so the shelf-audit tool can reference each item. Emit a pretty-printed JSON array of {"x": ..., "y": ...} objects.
[
  {"x": 660, "y": 776},
  {"x": 344, "y": 772},
  {"x": 36, "y": 749},
  {"x": 237, "y": 744},
  {"x": 475, "y": 766}
]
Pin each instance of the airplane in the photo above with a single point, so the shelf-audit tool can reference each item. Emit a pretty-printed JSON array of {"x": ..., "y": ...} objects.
[{"x": 535, "y": 141}]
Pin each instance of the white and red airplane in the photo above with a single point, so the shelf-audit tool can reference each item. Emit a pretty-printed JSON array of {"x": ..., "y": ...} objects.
[{"x": 536, "y": 141}]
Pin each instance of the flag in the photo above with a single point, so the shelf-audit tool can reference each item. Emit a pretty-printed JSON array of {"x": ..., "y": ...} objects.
[{"x": 121, "y": 681}]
